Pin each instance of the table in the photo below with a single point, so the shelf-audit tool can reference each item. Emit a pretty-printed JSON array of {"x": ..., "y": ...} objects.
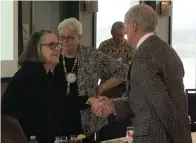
[
  {"x": 194, "y": 137},
  {"x": 124, "y": 139}
]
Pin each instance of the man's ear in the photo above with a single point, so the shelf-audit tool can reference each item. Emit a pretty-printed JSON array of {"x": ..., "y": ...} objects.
[{"x": 134, "y": 26}]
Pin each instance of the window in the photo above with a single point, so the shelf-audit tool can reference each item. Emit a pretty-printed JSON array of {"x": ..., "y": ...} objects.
[
  {"x": 110, "y": 12},
  {"x": 184, "y": 38}
]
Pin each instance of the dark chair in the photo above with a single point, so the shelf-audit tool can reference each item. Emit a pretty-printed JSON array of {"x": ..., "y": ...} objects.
[
  {"x": 11, "y": 131},
  {"x": 114, "y": 129},
  {"x": 191, "y": 96}
]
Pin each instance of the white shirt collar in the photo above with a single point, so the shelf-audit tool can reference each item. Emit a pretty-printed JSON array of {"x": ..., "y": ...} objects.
[
  {"x": 52, "y": 70},
  {"x": 144, "y": 38}
]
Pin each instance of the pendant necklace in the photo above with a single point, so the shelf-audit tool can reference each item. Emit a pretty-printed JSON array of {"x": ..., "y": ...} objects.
[{"x": 71, "y": 76}]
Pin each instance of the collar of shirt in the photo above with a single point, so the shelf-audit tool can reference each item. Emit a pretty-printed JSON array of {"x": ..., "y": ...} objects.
[
  {"x": 118, "y": 44},
  {"x": 144, "y": 38},
  {"x": 52, "y": 70}
]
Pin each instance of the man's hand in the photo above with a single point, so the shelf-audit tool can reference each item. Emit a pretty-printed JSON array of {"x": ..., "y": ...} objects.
[
  {"x": 104, "y": 107},
  {"x": 95, "y": 104}
]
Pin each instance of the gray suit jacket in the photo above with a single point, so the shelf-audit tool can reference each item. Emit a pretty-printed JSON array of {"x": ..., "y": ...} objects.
[{"x": 156, "y": 96}]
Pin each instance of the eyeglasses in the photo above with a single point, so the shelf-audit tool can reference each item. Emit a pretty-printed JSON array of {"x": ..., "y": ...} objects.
[
  {"x": 68, "y": 38},
  {"x": 53, "y": 45}
]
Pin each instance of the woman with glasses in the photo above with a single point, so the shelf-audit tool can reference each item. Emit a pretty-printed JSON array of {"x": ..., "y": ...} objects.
[
  {"x": 32, "y": 95},
  {"x": 78, "y": 73}
]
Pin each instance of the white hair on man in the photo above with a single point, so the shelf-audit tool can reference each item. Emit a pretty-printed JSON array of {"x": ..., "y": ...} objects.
[
  {"x": 73, "y": 24},
  {"x": 144, "y": 16}
]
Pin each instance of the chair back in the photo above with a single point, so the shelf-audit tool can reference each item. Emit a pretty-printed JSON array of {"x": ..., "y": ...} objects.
[
  {"x": 191, "y": 96},
  {"x": 11, "y": 130}
]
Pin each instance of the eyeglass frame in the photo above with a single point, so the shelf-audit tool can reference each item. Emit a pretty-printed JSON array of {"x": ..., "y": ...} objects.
[
  {"x": 68, "y": 38},
  {"x": 50, "y": 45}
]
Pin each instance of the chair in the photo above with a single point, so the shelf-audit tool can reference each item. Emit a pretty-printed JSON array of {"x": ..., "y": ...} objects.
[
  {"x": 11, "y": 131},
  {"x": 114, "y": 129},
  {"x": 191, "y": 95}
]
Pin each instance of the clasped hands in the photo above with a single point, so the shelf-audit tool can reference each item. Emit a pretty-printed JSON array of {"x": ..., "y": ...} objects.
[{"x": 101, "y": 106}]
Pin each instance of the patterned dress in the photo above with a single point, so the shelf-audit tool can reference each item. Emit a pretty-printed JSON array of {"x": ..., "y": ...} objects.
[
  {"x": 122, "y": 52},
  {"x": 93, "y": 64}
]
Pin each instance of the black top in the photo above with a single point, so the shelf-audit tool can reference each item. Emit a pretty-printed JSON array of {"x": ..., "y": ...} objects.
[
  {"x": 72, "y": 103},
  {"x": 30, "y": 98},
  {"x": 38, "y": 101}
]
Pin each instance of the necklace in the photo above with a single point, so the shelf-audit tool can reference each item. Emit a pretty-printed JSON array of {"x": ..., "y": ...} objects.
[{"x": 71, "y": 76}]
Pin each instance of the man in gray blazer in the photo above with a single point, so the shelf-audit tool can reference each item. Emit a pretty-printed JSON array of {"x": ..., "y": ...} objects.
[{"x": 156, "y": 96}]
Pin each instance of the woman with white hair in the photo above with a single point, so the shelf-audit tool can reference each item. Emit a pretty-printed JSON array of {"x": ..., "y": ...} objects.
[{"x": 79, "y": 71}]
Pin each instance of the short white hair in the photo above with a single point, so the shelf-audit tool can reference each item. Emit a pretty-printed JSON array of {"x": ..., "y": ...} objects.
[
  {"x": 144, "y": 16},
  {"x": 73, "y": 24}
]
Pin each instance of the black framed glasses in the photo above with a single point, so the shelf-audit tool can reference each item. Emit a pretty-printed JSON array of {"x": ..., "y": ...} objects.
[
  {"x": 68, "y": 38},
  {"x": 52, "y": 45}
]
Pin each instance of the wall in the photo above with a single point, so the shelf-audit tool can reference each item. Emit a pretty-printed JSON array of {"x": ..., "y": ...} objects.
[
  {"x": 26, "y": 12},
  {"x": 52, "y": 14},
  {"x": 163, "y": 28},
  {"x": 8, "y": 67},
  {"x": 41, "y": 14},
  {"x": 49, "y": 19},
  {"x": 45, "y": 15},
  {"x": 87, "y": 23},
  {"x": 86, "y": 19}
]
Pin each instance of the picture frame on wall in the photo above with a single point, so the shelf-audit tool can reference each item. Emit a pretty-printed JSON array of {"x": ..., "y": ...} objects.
[
  {"x": 26, "y": 23},
  {"x": 26, "y": 34}
]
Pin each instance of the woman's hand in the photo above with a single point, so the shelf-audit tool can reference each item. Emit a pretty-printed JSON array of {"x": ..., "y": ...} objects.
[
  {"x": 95, "y": 104},
  {"x": 101, "y": 106},
  {"x": 107, "y": 107}
]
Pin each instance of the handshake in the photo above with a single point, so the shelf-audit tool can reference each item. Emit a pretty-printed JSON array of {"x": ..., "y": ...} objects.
[{"x": 101, "y": 106}]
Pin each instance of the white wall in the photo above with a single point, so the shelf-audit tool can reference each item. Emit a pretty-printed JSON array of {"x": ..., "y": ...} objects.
[{"x": 9, "y": 65}]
